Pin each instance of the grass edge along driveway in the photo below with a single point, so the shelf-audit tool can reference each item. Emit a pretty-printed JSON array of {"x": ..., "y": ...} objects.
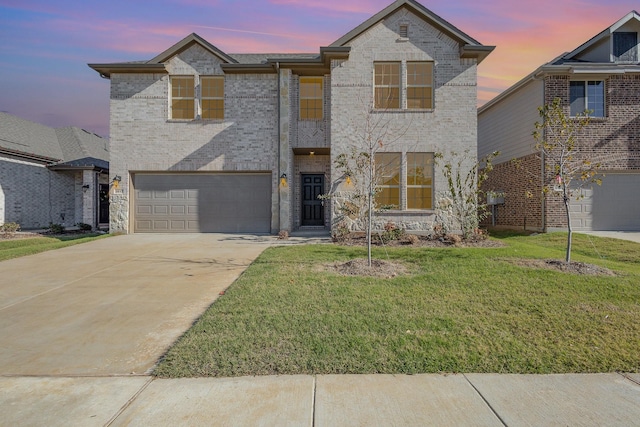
[
  {"x": 460, "y": 310},
  {"x": 15, "y": 248}
]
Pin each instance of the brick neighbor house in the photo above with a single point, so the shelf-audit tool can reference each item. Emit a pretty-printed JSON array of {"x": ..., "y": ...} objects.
[
  {"x": 207, "y": 141},
  {"x": 48, "y": 175},
  {"x": 603, "y": 76}
]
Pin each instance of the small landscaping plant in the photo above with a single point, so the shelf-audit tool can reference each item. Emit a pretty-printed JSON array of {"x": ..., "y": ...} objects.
[
  {"x": 9, "y": 229},
  {"x": 56, "y": 228},
  {"x": 84, "y": 227}
]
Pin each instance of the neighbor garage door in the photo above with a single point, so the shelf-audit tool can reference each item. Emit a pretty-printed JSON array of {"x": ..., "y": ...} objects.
[
  {"x": 201, "y": 203},
  {"x": 614, "y": 205}
]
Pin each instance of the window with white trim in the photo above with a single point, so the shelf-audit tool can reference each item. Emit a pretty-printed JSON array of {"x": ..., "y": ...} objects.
[
  {"x": 387, "y": 85},
  {"x": 212, "y": 97},
  {"x": 587, "y": 97},
  {"x": 403, "y": 85},
  {"x": 388, "y": 172},
  {"x": 419, "y": 85},
  {"x": 311, "y": 98},
  {"x": 419, "y": 180},
  {"x": 414, "y": 185},
  {"x": 183, "y": 100}
]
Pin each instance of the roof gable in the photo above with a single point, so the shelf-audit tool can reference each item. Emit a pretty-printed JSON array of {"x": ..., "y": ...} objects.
[
  {"x": 602, "y": 36},
  {"x": 419, "y": 10},
  {"x": 187, "y": 42}
]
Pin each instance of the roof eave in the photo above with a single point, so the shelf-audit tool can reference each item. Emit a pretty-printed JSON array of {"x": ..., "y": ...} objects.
[
  {"x": 475, "y": 51},
  {"x": 105, "y": 70},
  {"x": 28, "y": 156}
]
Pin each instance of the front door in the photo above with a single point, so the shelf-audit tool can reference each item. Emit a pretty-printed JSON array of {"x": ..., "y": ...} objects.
[
  {"x": 312, "y": 207},
  {"x": 103, "y": 216}
]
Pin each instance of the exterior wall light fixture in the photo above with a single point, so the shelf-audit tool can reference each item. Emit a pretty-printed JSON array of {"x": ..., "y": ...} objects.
[{"x": 283, "y": 180}]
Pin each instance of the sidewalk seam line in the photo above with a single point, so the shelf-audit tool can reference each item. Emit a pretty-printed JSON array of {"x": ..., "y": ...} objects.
[
  {"x": 129, "y": 402},
  {"x": 485, "y": 401},
  {"x": 313, "y": 401},
  {"x": 628, "y": 378}
]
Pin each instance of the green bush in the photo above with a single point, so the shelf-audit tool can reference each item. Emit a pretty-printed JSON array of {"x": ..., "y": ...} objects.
[
  {"x": 84, "y": 226},
  {"x": 56, "y": 228}
]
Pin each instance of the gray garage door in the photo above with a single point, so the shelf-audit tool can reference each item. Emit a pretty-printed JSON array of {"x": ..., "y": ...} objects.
[
  {"x": 613, "y": 206},
  {"x": 202, "y": 203}
]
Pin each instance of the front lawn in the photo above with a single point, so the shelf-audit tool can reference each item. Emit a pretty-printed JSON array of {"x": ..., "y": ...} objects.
[
  {"x": 458, "y": 310},
  {"x": 14, "y": 248}
]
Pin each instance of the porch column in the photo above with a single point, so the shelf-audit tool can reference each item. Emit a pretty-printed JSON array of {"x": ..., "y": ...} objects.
[
  {"x": 89, "y": 198},
  {"x": 284, "y": 161}
]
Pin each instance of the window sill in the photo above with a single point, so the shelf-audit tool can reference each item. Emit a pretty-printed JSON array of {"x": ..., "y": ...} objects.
[
  {"x": 402, "y": 110},
  {"x": 406, "y": 212},
  {"x": 195, "y": 120}
]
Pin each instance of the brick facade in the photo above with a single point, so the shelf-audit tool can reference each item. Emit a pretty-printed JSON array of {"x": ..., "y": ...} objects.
[{"x": 261, "y": 130}]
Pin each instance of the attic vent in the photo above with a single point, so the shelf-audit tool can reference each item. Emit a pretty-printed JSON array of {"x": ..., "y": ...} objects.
[{"x": 404, "y": 31}]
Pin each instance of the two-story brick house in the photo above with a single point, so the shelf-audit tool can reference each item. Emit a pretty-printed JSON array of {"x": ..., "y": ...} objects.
[
  {"x": 602, "y": 76},
  {"x": 206, "y": 141}
]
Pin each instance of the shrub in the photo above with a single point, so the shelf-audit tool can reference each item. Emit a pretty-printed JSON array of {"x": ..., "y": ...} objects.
[
  {"x": 84, "y": 226},
  {"x": 9, "y": 229},
  {"x": 56, "y": 228},
  {"x": 283, "y": 235}
]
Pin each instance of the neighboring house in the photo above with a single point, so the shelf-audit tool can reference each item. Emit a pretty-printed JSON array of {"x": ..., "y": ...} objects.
[
  {"x": 207, "y": 141},
  {"x": 602, "y": 75},
  {"x": 47, "y": 175}
]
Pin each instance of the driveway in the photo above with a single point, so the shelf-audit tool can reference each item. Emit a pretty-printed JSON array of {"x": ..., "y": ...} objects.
[{"x": 112, "y": 306}]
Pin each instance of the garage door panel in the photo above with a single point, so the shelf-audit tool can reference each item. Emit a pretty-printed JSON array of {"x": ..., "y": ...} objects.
[
  {"x": 614, "y": 205},
  {"x": 202, "y": 203}
]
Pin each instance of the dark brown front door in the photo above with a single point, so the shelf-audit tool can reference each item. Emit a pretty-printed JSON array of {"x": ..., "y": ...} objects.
[{"x": 312, "y": 207}]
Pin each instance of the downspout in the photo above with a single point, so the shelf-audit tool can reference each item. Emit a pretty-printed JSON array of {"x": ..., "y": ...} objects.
[
  {"x": 278, "y": 143},
  {"x": 543, "y": 198}
]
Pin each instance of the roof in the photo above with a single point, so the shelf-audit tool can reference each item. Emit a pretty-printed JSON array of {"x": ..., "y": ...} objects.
[
  {"x": 23, "y": 138},
  {"x": 568, "y": 63},
  {"x": 265, "y": 62}
]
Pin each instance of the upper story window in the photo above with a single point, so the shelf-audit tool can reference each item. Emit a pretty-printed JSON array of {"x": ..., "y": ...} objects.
[
  {"x": 187, "y": 104},
  {"x": 419, "y": 85},
  {"x": 183, "y": 97},
  {"x": 387, "y": 85},
  {"x": 587, "y": 96},
  {"x": 403, "y": 85},
  {"x": 212, "y": 97},
  {"x": 311, "y": 98},
  {"x": 625, "y": 47}
]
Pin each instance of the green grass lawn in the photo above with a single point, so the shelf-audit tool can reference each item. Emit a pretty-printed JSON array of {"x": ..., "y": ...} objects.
[
  {"x": 14, "y": 248},
  {"x": 461, "y": 310}
]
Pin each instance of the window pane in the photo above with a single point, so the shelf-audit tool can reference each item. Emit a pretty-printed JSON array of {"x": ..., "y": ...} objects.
[
  {"x": 388, "y": 196},
  {"x": 182, "y": 109},
  {"x": 182, "y": 87},
  {"x": 595, "y": 97},
  {"x": 387, "y": 97},
  {"x": 212, "y": 87},
  {"x": 419, "y": 198},
  {"x": 419, "y": 73},
  {"x": 212, "y": 109},
  {"x": 577, "y": 95}
]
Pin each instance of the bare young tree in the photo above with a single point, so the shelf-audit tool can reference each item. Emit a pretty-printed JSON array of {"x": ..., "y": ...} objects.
[
  {"x": 567, "y": 169},
  {"x": 360, "y": 174}
]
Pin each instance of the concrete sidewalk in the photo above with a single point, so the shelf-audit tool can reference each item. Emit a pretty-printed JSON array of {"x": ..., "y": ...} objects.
[{"x": 324, "y": 400}]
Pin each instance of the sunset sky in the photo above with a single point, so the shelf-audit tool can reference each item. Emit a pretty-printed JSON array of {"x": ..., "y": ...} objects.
[{"x": 46, "y": 44}]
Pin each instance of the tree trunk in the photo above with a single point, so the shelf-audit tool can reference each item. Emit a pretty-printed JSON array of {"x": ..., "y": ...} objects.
[{"x": 569, "y": 228}]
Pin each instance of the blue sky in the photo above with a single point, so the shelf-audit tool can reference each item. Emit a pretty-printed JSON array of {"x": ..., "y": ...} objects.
[{"x": 46, "y": 45}]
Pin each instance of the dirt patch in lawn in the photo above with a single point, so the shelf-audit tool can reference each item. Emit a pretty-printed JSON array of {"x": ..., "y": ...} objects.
[
  {"x": 360, "y": 267},
  {"x": 559, "y": 265},
  {"x": 412, "y": 240}
]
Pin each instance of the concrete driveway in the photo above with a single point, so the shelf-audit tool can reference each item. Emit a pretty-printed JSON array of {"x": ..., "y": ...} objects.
[{"x": 113, "y": 306}]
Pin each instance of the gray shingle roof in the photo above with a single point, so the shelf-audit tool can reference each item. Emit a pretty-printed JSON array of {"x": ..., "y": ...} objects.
[
  {"x": 261, "y": 58},
  {"x": 24, "y": 137}
]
